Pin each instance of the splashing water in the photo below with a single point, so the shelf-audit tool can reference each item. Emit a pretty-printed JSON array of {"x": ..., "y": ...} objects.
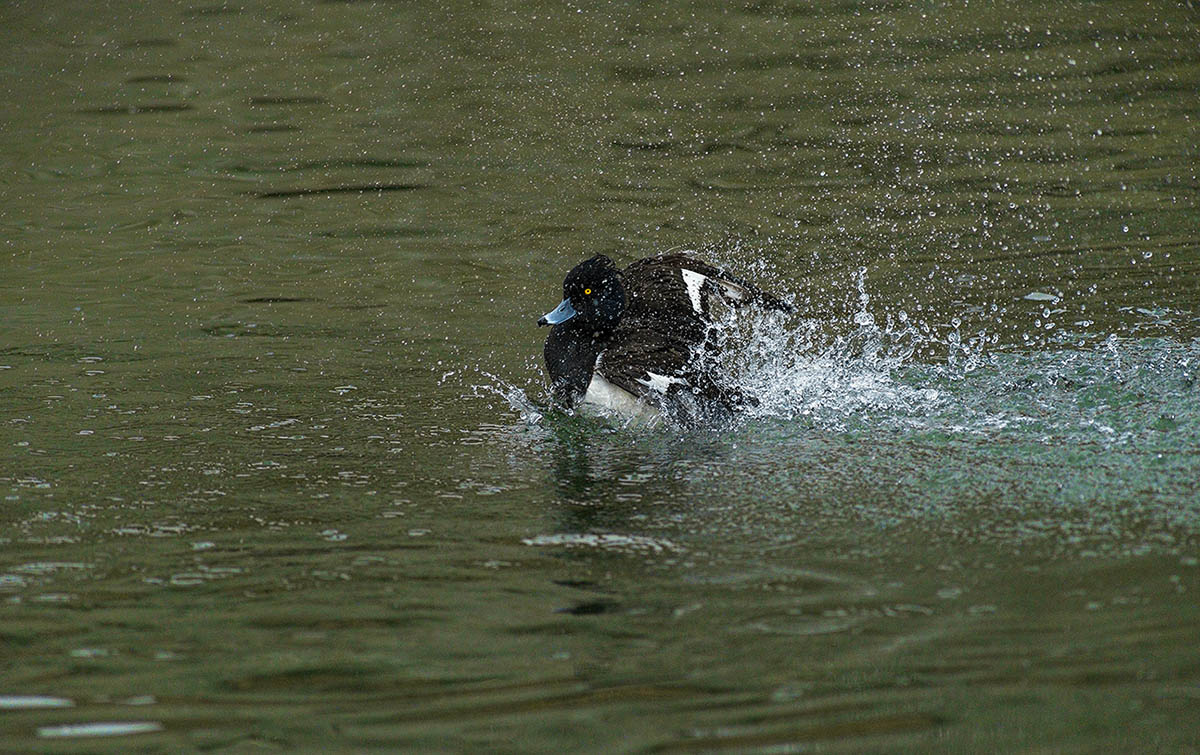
[
  {"x": 892, "y": 419},
  {"x": 798, "y": 370},
  {"x": 868, "y": 376},
  {"x": 516, "y": 398}
]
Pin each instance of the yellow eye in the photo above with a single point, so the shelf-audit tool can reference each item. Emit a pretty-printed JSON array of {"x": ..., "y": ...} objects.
[{"x": 587, "y": 291}]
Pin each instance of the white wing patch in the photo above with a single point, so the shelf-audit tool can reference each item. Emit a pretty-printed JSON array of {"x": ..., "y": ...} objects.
[
  {"x": 694, "y": 282},
  {"x": 660, "y": 383}
]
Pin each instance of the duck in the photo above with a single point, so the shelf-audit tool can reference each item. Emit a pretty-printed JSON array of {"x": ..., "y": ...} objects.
[{"x": 639, "y": 342}]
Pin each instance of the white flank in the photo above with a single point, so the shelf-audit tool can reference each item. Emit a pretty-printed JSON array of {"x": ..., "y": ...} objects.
[
  {"x": 603, "y": 395},
  {"x": 694, "y": 281}
]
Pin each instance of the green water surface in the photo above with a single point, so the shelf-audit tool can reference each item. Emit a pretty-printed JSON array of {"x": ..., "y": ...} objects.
[{"x": 277, "y": 465}]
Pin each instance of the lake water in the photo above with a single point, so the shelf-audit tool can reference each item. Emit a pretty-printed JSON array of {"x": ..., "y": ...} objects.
[{"x": 278, "y": 464}]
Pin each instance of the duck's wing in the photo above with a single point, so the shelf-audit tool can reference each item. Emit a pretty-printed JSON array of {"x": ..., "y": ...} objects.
[
  {"x": 654, "y": 283},
  {"x": 657, "y": 364},
  {"x": 645, "y": 361},
  {"x": 662, "y": 348}
]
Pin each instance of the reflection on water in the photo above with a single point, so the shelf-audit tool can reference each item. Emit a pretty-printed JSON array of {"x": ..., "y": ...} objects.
[
  {"x": 106, "y": 729},
  {"x": 278, "y": 468}
]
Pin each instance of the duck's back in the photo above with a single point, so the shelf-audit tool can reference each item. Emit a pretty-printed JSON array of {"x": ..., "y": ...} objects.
[{"x": 669, "y": 284}]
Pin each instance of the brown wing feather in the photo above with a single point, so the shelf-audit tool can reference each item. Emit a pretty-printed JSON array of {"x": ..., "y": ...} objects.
[{"x": 634, "y": 345}]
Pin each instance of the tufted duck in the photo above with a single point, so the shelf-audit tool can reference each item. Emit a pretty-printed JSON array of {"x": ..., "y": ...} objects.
[{"x": 635, "y": 341}]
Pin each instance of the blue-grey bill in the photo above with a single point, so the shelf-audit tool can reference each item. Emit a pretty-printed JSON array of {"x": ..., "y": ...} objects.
[{"x": 561, "y": 313}]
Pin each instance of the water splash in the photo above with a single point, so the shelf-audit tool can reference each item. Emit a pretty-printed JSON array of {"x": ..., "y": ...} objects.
[
  {"x": 890, "y": 372},
  {"x": 878, "y": 370},
  {"x": 517, "y": 399},
  {"x": 825, "y": 373}
]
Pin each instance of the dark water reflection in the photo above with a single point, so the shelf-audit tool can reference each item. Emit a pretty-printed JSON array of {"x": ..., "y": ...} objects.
[{"x": 277, "y": 465}]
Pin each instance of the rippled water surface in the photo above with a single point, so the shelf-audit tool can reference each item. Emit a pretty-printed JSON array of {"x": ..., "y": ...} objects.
[{"x": 278, "y": 464}]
